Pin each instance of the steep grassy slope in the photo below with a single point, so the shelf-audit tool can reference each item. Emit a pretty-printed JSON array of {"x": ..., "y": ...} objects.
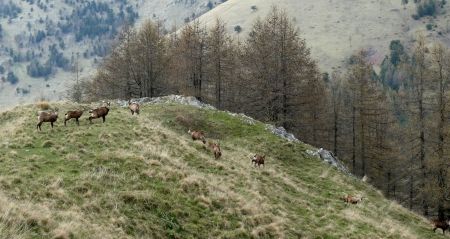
[
  {"x": 143, "y": 177},
  {"x": 336, "y": 29}
]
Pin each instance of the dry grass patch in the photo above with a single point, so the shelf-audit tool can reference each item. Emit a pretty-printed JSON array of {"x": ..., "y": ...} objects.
[
  {"x": 72, "y": 156},
  {"x": 43, "y": 105},
  {"x": 194, "y": 184}
]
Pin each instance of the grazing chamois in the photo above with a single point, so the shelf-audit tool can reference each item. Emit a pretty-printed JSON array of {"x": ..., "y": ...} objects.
[
  {"x": 216, "y": 149},
  {"x": 75, "y": 114},
  {"x": 134, "y": 107},
  {"x": 444, "y": 225},
  {"x": 352, "y": 199},
  {"x": 45, "y": 116},
  {"x": 258, "y": 160},
  {"x": 101, "y": 112},
  {"x": 197, "y": 135}
]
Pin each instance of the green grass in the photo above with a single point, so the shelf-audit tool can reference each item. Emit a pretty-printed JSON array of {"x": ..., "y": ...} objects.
[{"x": 143, "y": 177}]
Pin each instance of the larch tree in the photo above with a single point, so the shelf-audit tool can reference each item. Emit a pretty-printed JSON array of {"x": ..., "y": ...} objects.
[
  {"x": 151, "y": 58},
  {"x": 221, "y": 62},
  {"x": 418, "y": 101},
  {"x": 278, "y": 63},
  {"x": 365, "y": 108},
  {"x": 191, "y": 54},
  {"x": 438, "y": 164}
]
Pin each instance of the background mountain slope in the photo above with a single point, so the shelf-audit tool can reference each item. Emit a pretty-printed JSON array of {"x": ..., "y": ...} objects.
[
  {"x": 143, "y": 176},
  {"x": 337, "y": 29},
  {"x": 43, "y": 44}
]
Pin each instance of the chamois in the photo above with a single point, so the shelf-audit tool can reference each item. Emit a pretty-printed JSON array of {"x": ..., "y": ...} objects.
[
  {"x": 352, "y": 199},
  {"x": 45, "y": 116},
  {"x": 101, "y": 112},
  {"x": 258, "y": 160},
  {"x": 197, "y": 135},
  {"x": 216, "y": 149},
  {"x": 134, "y": 107},
  {"x": 444, "y": 225},
  {"x": 75, "y": 114}
]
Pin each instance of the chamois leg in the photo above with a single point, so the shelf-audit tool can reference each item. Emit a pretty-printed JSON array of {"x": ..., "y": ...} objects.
[
  {"x": 78, "y": 122},
  {"x": 65, "y": 124},
  {"x": 90, "y": 119},
  {"x": 132, "y": 112},
  {"x": 51, "y": 124},
  {"x": 104, "y": 118},
  {"x": 38, "y": 126}
]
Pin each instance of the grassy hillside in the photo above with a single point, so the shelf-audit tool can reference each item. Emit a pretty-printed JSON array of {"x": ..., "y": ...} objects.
[
  {"x": 143, "y": 177},
  {"x": 336, "y": 29}
]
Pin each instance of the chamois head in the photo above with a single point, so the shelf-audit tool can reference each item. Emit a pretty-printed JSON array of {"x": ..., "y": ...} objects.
[{"x": 106, "y": 103}]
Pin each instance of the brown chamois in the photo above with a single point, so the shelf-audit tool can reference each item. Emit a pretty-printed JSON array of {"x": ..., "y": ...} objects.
[
  {"x": 258, "y": 160},
  {"x": 215, "y": 147},
  {"x": 197, "y": 135},
  {"x": 444, "y": 225},
  {"x": 45, "y": 116},
  {"x": 134, "y": 107},
  {"x": 75, "y": 114},
  {"x": 352, "y": 199},
  {"x": 101, "y": 112}
]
